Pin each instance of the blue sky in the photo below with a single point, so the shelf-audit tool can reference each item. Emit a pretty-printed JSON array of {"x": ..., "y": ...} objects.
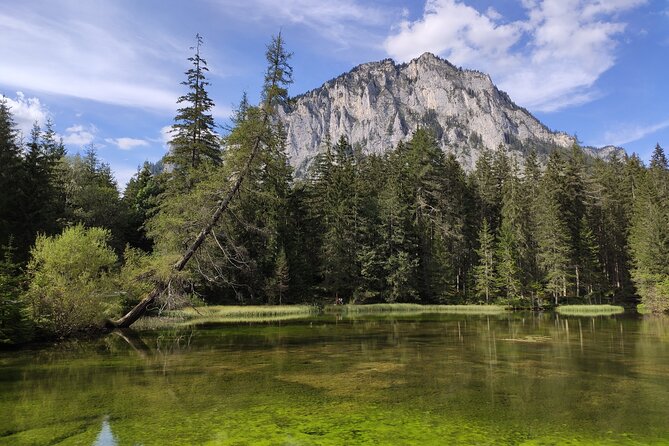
[{"x": 109, "y": 72}]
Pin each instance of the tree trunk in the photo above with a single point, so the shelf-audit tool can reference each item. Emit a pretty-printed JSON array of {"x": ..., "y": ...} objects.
[{"x": 139, "y": 309}]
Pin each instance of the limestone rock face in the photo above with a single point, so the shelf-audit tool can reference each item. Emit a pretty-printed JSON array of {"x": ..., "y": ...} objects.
[{"x": 378, "y": 104}]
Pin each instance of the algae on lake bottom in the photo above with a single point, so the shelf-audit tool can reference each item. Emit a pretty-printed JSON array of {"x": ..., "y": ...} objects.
[{"x": 433, "y": 379}]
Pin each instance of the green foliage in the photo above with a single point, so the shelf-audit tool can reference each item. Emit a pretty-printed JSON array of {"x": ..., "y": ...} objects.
[
  {"x": 193, "y": 137},
  {"x": 239, "y": 257},
  {"x": 70, "y": 287},
  {"x": 10, "y": 176},
  {"x": 140, "y": 199},
  {"x": 92, "y": 197},
  {"x": 15, "y": 324},
  {"x": 649, "y": 238},
  {"x": 554, "y": 249},
  {"x": 484, "y": 273},
  {"x": 278, "y": 284}
]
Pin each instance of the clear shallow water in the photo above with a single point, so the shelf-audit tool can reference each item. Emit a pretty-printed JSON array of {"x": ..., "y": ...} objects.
[{"x": 435, "y": 379}]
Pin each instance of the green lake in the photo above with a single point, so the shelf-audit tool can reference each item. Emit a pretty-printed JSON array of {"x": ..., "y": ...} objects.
[{"x": 516, "y": 378}]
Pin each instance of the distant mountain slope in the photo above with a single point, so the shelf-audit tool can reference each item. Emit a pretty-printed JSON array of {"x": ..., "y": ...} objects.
[{"x": 378, "y": 104}]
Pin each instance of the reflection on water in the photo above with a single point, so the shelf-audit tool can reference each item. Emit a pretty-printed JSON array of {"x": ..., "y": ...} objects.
[
  {"x": 106, "y": 436},
  {"x": 431, "y": 379}
]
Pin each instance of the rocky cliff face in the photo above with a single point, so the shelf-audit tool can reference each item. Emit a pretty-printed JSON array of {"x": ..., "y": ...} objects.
[{"x": 378, "y": 104}]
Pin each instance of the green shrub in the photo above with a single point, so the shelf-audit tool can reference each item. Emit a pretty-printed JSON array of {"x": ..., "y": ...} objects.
[{"x": 70, "y": 288}]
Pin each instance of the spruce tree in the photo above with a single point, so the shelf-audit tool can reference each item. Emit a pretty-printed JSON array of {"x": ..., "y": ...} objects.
[
  {"x": 649, "y": 239},
  {"x": 553, "y": 237},
  {"x": 485, "y": 276},
  {"x": 11, "y": 176},
  {"x": 194, "y": 139}
]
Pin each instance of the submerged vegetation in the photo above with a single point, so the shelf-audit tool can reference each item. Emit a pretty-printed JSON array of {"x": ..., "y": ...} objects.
[
  {"x": 222, "y": 219},
  {"x": 454, "y": 380}
]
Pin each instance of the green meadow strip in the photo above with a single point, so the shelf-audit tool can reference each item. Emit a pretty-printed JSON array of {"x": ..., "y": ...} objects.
[
  {"x": 415, "y": 308},
  {"x": 589, "y": 310}
]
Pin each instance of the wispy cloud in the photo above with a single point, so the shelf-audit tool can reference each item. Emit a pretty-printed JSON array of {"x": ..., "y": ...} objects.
[
  {"x": 80, "y": 135},
  {"x": 548, "y": 61},
  {"x": 626, "y": 134},
  {"x": 348, "y": 23},
  {"x": 93, "y": 51},
  {"x": 127, "y": 143},
  {"x": 27, "y": 111}
]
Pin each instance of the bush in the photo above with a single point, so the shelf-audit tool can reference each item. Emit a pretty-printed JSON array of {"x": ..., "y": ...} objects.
[{"x": 70, "y": 288}]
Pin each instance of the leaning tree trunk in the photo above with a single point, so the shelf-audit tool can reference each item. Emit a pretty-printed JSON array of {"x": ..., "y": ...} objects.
[{"x": 140, "y": 308}]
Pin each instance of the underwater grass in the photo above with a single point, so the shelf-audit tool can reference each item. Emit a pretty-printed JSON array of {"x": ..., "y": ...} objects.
[
  {"x": 415, "y": 308},
  {"x": 589, "y": 310}
]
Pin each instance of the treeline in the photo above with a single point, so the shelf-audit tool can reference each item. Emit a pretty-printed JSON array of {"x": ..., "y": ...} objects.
[{"x": 407, "y": 226}]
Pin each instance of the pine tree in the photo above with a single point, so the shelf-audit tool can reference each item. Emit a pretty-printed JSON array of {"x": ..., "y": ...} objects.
[
  {"x": 399, "y": 240},
  {"x": 530, "y": 190},
  {"x": 487, "y": 178},
  {"x": 278, "y": 283},
  {"x": 553, "y": 237},
  {"x": 590, "y": 267},
  {"x": 339, "y": 212},
  {"x": 11, "y": 175},
  {"x": 194, "y": 139},
  {"x": 484, "y": 273},
  {"x": 15, "y": 324},
  {"x": 140, "y": 199},
  {"x": 649, "y": 239},
  {"x": 507, "y": 263}
]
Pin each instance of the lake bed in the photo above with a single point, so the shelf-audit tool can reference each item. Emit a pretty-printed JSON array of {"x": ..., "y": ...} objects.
[{"x": 511, "y": 378}]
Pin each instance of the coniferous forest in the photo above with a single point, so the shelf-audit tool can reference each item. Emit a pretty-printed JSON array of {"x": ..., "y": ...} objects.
[{"x": 526, "y": 230}]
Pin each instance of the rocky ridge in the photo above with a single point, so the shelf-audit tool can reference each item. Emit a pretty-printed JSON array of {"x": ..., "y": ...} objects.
[{"x": 378, "y": 104}]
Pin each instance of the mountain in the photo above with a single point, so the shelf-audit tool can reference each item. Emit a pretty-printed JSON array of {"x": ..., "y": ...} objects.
[{"x": 378, "y": 104}]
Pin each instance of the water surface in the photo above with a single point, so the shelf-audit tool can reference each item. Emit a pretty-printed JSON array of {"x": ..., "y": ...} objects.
[{"x": 431, "y": 379}]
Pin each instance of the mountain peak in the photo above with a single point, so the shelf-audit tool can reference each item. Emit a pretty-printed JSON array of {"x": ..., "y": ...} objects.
[{"x": 378, "y": 104}]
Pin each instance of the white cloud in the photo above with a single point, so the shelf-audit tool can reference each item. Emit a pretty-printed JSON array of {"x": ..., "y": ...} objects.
[
  {"x": 493, "y": 14},
  {"x": 548, "y": 61},
  {"x": 27, "y": 111},
  {"x": 127, "y": 143},
  {"x": 166, "y": 134},
  {"x": 79, "y": 135},
  {"x": 626, "y": 134}
]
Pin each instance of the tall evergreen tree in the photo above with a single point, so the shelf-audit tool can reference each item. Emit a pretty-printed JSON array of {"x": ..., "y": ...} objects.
[
  {"x": 553, "y": 237},
  {"x": 194, "y": 139},
  {"x": 649, "y": 239},
  {"x": 11, "y": 175},
  {"x": 485, "y": 275}
]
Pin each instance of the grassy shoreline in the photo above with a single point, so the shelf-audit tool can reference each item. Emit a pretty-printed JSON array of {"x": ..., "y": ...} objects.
[
  {"x": 589, "y": 310},
  {"x": 415, "y": 308},
  {"x": 276, "y": 313}
]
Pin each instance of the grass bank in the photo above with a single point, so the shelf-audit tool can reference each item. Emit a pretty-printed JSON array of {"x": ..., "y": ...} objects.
[
  {"x": 274, "y": 313},
  {"x": 415, "y": 308},
  {"x": 226, "y": 313},
  {"x": 589, "y": 310}
]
